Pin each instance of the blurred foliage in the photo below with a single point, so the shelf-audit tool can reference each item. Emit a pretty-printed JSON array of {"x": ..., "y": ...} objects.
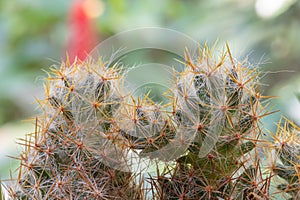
[
  {"x": 31, "y": 34},
  {"x": 34, "y": 35}
]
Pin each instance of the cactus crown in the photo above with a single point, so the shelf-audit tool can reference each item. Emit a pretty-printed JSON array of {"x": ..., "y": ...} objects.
[
  {"x": 89, "y": 130},
  {"x": 286, "y": 159}
]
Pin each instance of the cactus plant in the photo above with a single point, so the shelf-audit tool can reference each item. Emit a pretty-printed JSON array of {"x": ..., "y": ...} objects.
[
  {"x": 217, "y": 104},
  {"x": 207, "y": 135},
  {"x": 286, "y": 159},
  {"x": 56, "y": 163}
]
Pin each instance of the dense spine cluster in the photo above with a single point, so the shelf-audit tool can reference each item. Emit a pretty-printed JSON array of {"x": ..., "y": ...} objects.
[
  {"x": 286, "y": 159},
  {"x": 218, "y": 107},
  {"x": 207, "y": 136},
  {"x": 57, "y": 162}
]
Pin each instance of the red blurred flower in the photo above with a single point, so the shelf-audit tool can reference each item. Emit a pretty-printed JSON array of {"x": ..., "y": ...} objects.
[{"x": 82, "y": 35}]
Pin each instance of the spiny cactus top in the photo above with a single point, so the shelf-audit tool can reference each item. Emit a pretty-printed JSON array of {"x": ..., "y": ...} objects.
[
  {"x": 218, "y": 107},
  {"x": 285, "y": 159},
  {"x": 89, "y": 129},
  {"x": 217, "y": 98}
]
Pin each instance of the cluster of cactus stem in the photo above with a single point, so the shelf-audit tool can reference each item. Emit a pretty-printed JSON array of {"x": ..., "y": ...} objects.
[
  {"x": 207, "y": 136},
  {"x": 217, "y": 103},
  {"x": 286, "y": 158}
]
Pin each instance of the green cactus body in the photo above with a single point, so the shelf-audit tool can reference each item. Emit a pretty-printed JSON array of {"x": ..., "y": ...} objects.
[
  {"x": 286, "y": 163},
  {"x": 220, "y": 108},
  {"x": 206, "y": 135},
  {"x": 57, "y": 162}
]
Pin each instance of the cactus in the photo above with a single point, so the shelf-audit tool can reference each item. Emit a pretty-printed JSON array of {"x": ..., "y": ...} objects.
[
  {"x": 286, "y": 162},
  {"x": 207, "y": 135},
  {"x": 57, "y": 163},
  {"x": 216, "y": 102}
]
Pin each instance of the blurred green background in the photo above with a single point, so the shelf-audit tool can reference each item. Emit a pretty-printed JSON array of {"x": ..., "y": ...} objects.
[{"x": 34, "y": 35}]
